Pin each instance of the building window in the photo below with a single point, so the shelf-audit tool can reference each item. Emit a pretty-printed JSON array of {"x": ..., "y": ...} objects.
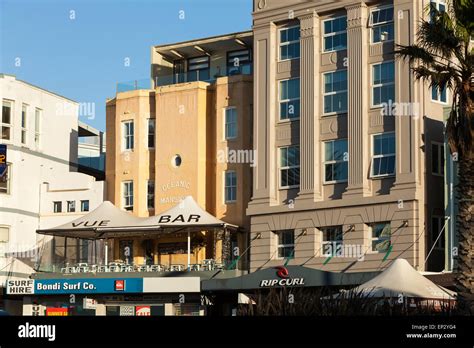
[
  {"x": 151, "y": 133},
  {"x": 289, "y": 166},
  {"x": 239, "y": 62},
  {"x": 58, "y": 207},
  {"x": 437, "y": 225},
  {"x": 383, "y": 83},
  {"x": 85, "y": 205},
  {"x": 335, "y": 161},
  {"x": 439, "y": 94},
  {"x": 381, "y": 21},
  {"x": 286, "y": 244},
  {"x": 230, "y": 186},
  {"x": 127, "y": 195},
  {"x": 380, "y": 236},
  {"x": 437, "y": 159},
  {"x": 230, "y": 123},
  {"x": 5, "y": 181},
  {"x": 6, "y": 121},
  {"x": 71, "y": 206},
  {"x": 198, "y": 69},
  {"x": 332, "y": 240},
  {"x": 128, "y": 135},
  {"x": 335, "y": 34},
  {"x": 150, "y": 194},
  {"x": 290, "y": 99},
  {"x": 438, "y": 5},
  {"x": 290, "y": 43},
  {"x": 37, "y": 127},
  {"x": 335, "y": 92},
  {"x": 4, "y": 235},
  {"x": 24, "y": 123},
  {"x": 383, "y": 154}
]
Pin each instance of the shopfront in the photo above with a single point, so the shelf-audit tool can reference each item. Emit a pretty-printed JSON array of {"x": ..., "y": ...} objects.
[{"x": 115, "y": 296}]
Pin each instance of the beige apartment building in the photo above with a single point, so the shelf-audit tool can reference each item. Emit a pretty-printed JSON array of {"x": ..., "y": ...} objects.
[
  {"x": 190, "y": 134},
  {"x": 350, "y": 158}
]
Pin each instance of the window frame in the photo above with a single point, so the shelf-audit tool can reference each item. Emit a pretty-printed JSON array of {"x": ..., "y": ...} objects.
[
  {"x": 287, "y": 43},
  {"x": 57, "y": 204},
  {"x": 324, "y": 35},
  {"x": 325, "y": 162},
  {"x": 24, "y": 124},
  {"x": 323, "y": 88},
  {"x": 280, "y": 168},
  {"x": 8, "y": 228},
  {"x": 150, "y": 196},
  {"x": 441, "y": 159},
  {"x": 373, "y": 156},
  {"x": 150, "y": 121},
  {"x": 372, "y": 25},
  {"x": 438, "y": 95},
  {"x": 381, "y": 239},
  {"x": 239, "y": 68},
  {"x": 38, "y": 123},
  {"x": 8, "y": 180},
  {"x": 441, "y": 240},
  {"x": 124, "y": 198},
  {"x": 280, "y": 120},
  {"x": 126, "y": 136},
  {"x": 7, "y": 125},
  {"x": 282, "y": 246},
  {"x": 226, "y": 138},
  {"x": 71, "y": 208},
  {"x": 82, "y": 205},
  {"x": 323, "y": 242},
  {"x": 372, "y": 85},
  {"x": 234, "y": 172}
]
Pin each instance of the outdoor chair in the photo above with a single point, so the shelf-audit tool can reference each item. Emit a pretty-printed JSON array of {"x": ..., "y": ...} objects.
[
  {"x": 195, "y": 267},
  {"x": 114, "y": 268},
  {"x": 126, "y": 268},
  {"x": 82, "y": 267},
  {"x": 102, "y": 268},
  {"x": 177, "y": 268}
]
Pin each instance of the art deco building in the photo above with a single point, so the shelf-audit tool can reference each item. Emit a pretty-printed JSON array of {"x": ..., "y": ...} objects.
[
  {"x": 349, "y": 146},
  {"x": 190, "y": 134}
]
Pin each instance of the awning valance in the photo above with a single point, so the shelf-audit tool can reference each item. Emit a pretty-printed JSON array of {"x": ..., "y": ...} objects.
[{"x": 109, "y": 221}]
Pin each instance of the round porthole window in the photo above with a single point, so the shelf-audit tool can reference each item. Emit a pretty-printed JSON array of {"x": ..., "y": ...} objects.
[{"x": 176, "y": 161}]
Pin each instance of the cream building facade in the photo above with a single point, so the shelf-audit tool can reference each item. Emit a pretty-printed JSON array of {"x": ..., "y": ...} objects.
[
  {"x": 188, "y": 135},
  {"x": 342, "y": 184}
]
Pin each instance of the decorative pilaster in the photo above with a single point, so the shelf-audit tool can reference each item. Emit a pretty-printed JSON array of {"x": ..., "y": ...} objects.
[
  {"x": 309, "y": 121},
  {"x": 358, "y": 108}
]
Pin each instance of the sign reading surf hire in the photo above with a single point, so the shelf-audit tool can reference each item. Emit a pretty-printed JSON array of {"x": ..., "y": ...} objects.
[
  {"x": 282, "y": 280},
  {"x": 20, "y": 287},
  {"x": 3, "y": 162}
]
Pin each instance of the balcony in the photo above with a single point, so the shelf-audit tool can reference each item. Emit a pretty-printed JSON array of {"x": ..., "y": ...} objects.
[{"x": 190, "y": 76}]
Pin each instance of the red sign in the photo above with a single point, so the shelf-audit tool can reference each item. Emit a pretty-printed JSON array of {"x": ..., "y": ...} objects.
[
  {"x": 56, "y": 312},
  {"x": 142, "y": 311},
  {"x": 282, "y": 272},
  {"x": 120, "y": 285}
]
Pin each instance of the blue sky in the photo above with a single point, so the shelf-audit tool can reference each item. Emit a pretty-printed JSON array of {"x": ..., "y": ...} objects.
[{"x": 83, "y": 58}]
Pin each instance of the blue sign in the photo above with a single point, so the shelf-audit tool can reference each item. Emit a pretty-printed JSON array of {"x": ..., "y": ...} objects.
[
  {"x": 3, "y": 161},
  {"x": 88, "y": 286}
]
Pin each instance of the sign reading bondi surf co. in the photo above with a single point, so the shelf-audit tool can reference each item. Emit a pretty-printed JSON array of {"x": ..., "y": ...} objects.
[{"x": 283, "y": 279}]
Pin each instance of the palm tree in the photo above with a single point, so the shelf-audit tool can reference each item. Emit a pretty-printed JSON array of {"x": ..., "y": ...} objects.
[{"x": 444, "y": 57}]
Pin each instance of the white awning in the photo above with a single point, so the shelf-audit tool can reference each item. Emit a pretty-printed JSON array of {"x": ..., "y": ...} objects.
[
  {"x": 185, "y": 214},
  {"x": 109, "y": 221},
  {"x": 105, "y": 218},
  {"x": 401, "y": 278}
]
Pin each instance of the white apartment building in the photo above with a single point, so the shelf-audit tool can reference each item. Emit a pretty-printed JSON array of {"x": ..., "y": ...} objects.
[{"x": 43, "y": 187}]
